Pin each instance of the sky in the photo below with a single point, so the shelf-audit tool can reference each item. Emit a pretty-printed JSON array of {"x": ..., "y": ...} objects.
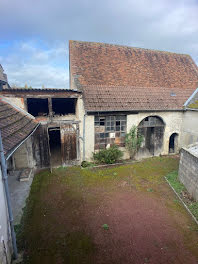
[{"x": 35, "y": 33}]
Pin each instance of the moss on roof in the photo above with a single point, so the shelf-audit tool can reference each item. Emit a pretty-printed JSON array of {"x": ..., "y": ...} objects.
[{"x": 193, "y": 105}]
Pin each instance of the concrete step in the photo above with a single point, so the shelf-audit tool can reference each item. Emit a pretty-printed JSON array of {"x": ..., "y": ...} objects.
[{"x": 25, "y": 174}]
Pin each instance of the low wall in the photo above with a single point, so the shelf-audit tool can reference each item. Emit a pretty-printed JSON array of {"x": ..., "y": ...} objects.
[{"x": 188, "y": 170}]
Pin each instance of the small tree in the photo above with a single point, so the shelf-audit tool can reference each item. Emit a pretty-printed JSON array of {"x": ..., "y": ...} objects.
[{"x": 133, "y": 141}]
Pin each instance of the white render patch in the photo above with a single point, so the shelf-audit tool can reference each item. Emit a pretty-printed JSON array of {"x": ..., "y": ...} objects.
[{"x": 193, "y": 149}]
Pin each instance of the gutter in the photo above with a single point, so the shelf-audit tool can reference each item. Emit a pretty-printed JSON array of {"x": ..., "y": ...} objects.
[
  {"x": 7, "y": 193},
  {"x": 10, "y": 154},
  {"x": 84, "y": 119}
]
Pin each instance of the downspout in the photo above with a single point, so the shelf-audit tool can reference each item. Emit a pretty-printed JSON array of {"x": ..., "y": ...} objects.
[
  {"x": 84, "y": 119},
  {"x": 5, "y": 179}
]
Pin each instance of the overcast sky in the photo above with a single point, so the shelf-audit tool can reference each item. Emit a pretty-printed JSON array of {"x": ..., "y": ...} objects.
[{"x": 34, "y": 33}]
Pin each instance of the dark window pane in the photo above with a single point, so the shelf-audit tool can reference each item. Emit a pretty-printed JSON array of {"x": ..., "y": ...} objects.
[{"x": 117, "y": 123}]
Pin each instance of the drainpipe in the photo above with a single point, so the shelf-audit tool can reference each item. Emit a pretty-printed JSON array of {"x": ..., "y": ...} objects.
[
  {"x": 5, "y": 179},
  {"x": 84, "y": 136}
]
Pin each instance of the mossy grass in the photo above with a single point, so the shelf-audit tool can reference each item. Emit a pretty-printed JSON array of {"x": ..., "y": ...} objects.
[{"x": 180, "y": 188}]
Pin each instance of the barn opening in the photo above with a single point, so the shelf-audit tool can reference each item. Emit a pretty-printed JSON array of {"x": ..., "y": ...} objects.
[
  {"x": 55, "y": 146},
  {"x": 38, "y": 106},
  {"x": 63, "y": 106},
  {"x": 152, "y": 129},
  {"x": 173, "y": 143}
]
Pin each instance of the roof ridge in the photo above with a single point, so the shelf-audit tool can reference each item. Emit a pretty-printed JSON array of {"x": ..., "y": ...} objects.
[{"x": 127, "y": 46}]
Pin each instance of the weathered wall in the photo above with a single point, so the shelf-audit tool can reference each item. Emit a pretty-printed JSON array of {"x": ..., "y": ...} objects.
[
  {"x": 172, "y": 120},
  {"x": 173, "y": 124},
  {"x": 4, "y": 226},
  {"x": 188, "y": 171},
  {"x": 190, "y": 127},
  {"x": 23, "y": 156}
]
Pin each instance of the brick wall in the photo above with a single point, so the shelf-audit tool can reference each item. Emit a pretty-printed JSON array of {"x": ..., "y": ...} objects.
[{"x": 188, "y": 171}]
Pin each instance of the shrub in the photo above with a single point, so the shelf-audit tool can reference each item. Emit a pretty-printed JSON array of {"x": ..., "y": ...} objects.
[
  {"x": 133, "y": 141},
  {"x": 108, "y": 156}
]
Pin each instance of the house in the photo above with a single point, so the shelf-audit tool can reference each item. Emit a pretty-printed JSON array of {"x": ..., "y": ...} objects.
[
  {"x": 58, "y": 140},
  {"x": 17, "y": 128},
  {"x": 124, "y": 86},
  {"x": 112, "y": 88}
]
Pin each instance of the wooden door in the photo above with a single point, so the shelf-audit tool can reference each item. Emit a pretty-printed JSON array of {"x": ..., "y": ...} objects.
[{"x": 68, "y": 143}]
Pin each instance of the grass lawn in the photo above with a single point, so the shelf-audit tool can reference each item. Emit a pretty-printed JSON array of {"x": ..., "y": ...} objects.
[{"x": 125, "y": 214}]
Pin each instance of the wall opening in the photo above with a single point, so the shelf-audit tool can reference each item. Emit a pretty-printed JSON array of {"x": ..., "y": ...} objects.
[
  {"x": 63, "y": 106},
  {"x": 55, "y": 146},
  {"x": 152, "y": 129},
  {"x": 173, "y": 143},
  {"x": 37, "y": 106}
]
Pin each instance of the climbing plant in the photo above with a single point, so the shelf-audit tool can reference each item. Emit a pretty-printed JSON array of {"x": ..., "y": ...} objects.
[{"x": 133, "y": 141}]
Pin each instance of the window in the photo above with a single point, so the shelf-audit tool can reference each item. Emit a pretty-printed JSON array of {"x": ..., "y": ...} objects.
[
  {"x": 37, "y": 106},
  {"x": 109, "y": 130},
  {"x": 63, "y": 106}
]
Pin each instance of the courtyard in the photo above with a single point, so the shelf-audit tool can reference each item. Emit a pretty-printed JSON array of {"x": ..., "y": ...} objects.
[{"x": 116, "y": 214}]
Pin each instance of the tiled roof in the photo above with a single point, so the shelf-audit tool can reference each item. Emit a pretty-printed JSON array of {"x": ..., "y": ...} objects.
[
  {"x": 119, "y": 74},
  {"x": 128, "y": 98},
  {"x": 15, "y": 125}
]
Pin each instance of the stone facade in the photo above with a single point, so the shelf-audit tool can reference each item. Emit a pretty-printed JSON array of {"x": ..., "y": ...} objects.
[
  {"x": 172, "y": 121},
  {"x": 188, "y": 169}
]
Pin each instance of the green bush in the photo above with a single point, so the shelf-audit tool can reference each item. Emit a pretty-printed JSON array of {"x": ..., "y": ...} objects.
[
  {"x": 133, "y": 141},
  {"x": 108, "y": 156}
]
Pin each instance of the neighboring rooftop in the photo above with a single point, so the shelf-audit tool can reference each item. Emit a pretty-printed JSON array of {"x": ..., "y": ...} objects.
[
  {"x": 106, "y": 64},
  {"x": 192, "y": 102},
  {"x": 123, "y": 78},
  {"x": 15, "y": 125}
]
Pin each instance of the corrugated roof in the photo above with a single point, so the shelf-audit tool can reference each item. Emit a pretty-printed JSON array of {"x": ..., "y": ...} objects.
[
  {"x": 16, "y": 89},
  {"x": 15, "y": 125}
]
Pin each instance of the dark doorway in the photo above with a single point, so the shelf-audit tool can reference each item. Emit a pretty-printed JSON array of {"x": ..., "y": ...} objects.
[
  {"x": 55, "y": 146},
  {"x": 173, "y": 143},
  {"x": 152, "y": 129}
]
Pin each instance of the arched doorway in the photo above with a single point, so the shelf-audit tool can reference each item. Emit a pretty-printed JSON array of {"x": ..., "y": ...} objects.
[
  {"x": 173, "y": 143},
  {"x": 152, "y": 128}
]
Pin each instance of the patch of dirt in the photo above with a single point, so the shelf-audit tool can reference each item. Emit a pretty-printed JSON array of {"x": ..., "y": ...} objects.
[
  {"x": 141, "y": 230},
  {"x": 67, "y": 211}
]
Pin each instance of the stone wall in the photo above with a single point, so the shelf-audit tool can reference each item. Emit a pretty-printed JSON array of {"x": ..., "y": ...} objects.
[
  {"x": 188, "y": 169},
  {"x": 172, "y": 120}
]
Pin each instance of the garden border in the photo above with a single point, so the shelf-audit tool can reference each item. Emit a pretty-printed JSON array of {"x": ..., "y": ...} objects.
[{"x": 186, "y": 207}]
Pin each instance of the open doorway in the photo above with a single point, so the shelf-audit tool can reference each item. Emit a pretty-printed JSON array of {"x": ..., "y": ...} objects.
[
  {"x": 55, "y": 146},
  {"x": 173, "y": 143}
]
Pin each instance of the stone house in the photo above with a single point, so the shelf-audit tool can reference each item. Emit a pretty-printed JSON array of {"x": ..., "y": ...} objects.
[
  {"x": 112, "y": 88},
  {"x": 124, "y": 86},
  {"x": 17, "y": 128}
]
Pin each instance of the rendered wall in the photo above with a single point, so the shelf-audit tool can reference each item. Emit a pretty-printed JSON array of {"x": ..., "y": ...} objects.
[
  {"x": 172, "y": 120},
  {"x": 190, "y": 127},
  {"x": 188, "y": 171},
  {"x": 4, "y": 226}
]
